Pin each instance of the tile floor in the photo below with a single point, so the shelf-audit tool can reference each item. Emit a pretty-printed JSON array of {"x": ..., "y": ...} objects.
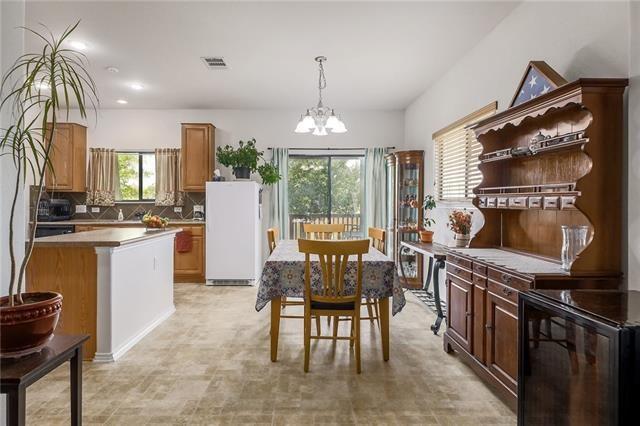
[{"x": 209, "y": 364}]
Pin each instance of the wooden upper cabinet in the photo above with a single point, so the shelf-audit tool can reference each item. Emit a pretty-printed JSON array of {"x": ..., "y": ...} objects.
[
  {"x": 198, "y": 155},
  {"x": 68, "y": 157}
]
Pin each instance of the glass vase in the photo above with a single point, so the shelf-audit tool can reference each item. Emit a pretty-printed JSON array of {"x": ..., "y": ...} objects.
[{"x": 574, "y": 239}]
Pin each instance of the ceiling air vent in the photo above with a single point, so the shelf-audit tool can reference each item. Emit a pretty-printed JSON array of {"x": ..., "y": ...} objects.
[{"x": 214, "y": 62}]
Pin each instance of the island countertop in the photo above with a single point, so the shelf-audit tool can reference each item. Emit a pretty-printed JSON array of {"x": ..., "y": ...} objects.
[
  {"x": 108, "y": 237},
  {"x": 114, "y": 222}
]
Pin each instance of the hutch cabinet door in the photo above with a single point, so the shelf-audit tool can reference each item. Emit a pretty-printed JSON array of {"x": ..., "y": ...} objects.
[
  {"x": 502, "y": 339},
  {"x": 460, "y": 310},
  {"x": 479, "y": 317},
  {"x": 197, "y": 156},
  {"x": 61, "y": 157}
]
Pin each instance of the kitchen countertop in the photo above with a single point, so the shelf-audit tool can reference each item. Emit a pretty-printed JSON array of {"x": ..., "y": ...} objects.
[
  {"x": 116, "y": 222},
  {"x": 109, "y": 237}
]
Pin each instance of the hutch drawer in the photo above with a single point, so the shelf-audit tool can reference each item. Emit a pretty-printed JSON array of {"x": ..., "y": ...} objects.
[
  {"x": 479, "y": 280},
  {"x": 459, "y": 272},
  {"x": 503, "y": 291},
  {"x": 479, "y": 268},
  {"x": 459, "y": 261},
  {"x": 508, "y": 279}
]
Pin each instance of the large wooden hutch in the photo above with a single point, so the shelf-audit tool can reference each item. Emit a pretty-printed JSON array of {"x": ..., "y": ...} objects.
[{"x": 551, "y": 161}]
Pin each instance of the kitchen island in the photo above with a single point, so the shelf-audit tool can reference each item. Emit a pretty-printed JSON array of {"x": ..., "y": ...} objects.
[{"x": 116, "y": 283}]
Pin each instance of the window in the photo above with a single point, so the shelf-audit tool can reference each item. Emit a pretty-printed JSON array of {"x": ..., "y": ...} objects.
[
  {"x": 456, "y": 157},
  {"x": 136, "y": 176},
  {"x": 326, "y": 189}
]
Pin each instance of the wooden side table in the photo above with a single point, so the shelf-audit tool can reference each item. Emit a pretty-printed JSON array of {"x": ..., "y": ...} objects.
[{"x": 19, "y": 373}]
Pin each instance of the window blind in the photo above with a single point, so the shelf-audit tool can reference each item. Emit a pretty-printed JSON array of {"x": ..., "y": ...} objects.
[{"x": 456, "y": 157}]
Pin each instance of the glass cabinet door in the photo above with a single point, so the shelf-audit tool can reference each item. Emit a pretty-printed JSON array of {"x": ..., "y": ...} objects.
[{"x": 391, "y": 205}]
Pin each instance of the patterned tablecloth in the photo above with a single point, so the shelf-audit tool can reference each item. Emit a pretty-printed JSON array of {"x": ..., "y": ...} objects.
[{"x": 283, "y": 275}]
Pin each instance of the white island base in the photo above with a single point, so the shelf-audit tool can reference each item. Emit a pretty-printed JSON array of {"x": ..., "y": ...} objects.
[{"x": 133, "y": 284}]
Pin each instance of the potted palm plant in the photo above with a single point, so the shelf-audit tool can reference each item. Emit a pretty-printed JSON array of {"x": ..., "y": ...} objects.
[
  {"x": 426, "y": 235},
  {"x": 244, "y": 161},
  {"x": 37, "y": 90}
]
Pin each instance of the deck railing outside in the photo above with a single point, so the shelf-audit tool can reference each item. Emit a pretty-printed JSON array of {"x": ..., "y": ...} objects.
[{"x": 351, "y": 220}]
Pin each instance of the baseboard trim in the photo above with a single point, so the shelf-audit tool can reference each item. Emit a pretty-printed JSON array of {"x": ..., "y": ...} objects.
[{"x": 114, "y": 356}]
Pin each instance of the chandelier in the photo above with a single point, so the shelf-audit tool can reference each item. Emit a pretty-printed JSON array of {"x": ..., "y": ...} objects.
[{"x": 320, "y": 119}]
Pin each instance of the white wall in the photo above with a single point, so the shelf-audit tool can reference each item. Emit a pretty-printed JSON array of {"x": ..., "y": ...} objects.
[
  {"x": 11, "y": 46},
  {"x": 576, "y": 39},
  {"x": 634, "y": 149}
]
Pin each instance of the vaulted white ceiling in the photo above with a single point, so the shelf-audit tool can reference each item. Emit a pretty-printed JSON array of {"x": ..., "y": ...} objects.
[{"x": 381, "y": 55}]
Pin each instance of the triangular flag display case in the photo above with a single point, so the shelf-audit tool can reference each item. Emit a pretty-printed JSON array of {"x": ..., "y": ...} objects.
[{"x": 538, "y": 79}]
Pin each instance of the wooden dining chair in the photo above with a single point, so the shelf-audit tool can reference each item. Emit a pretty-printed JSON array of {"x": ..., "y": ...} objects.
[
  {"x": 332, "y": 300},
  {"x": 324, "y": 231},
  {"x": 272, "y": 239}
]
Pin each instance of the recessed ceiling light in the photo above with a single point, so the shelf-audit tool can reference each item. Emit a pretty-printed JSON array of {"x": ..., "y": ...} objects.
[
  {"x": 40, "y": 85},
  {"x": 136, "y": 86},
  {"x": 78, "y": 45},
  {"x": 112, "y": 69},
  {"x": 122, "y": 101}
]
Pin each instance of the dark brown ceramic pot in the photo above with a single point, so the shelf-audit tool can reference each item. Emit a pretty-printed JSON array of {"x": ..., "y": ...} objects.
[{"x": 26, "y": 328}]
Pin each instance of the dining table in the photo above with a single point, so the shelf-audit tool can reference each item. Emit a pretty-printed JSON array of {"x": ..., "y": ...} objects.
[{"x": 283, "y": 275}]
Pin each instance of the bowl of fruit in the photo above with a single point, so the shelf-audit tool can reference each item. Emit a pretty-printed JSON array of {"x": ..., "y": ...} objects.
[{"x": 153, "y": 222}]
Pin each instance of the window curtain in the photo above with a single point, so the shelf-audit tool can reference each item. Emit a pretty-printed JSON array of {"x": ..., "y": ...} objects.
[
  {"x": 103, "y": 182},
  {"x": 375, "y": 193},
  {"x": 168, "y": 184},
  {"x": 279, "y": 209}
]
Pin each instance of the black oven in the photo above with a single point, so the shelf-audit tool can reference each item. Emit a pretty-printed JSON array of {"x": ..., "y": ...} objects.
[
  {"x": 48, "y": 230},
  {"x": 579, "y": 357}
]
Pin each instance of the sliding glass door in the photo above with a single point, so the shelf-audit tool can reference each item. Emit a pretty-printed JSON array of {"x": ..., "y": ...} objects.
[{"x": 326, "y": 189}]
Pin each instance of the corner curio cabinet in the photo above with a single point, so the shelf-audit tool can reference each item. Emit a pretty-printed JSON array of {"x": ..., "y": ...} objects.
[{"x": 405, "y": 170}]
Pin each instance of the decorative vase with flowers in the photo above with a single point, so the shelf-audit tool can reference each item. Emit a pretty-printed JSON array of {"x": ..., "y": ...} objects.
[
  {"x": 460, "y": 224},
  {"x": 36, "y": 91},
  {"x": 426, "y": 235}
]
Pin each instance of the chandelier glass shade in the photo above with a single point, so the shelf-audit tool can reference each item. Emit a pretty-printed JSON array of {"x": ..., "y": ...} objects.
[{"x": 320, "y": 120}]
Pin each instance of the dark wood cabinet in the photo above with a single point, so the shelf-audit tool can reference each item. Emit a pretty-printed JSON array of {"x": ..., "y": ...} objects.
[
  {"x": 460, "y": 312},
  {"x": 198, "y": 155},
  {"x": 502, "y": 339},
  {"x": 549, "y": 162}
]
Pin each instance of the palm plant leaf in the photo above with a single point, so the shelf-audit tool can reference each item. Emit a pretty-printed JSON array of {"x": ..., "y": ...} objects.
[{"x": 37, "y": 89}]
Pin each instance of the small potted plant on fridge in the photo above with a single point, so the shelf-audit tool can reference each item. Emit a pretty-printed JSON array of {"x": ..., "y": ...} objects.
[
  {"x": 429, "y": 203},
  {"x": 244, "y": 161},
  {"x": 460, "y": 224}
]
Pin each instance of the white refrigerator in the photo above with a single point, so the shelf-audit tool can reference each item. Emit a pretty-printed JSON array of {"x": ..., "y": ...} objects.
[{"x": 233, "y": 245}]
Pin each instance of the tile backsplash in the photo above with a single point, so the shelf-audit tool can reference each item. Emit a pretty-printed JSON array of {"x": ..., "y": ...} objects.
[{"x": 129, "y": 209}]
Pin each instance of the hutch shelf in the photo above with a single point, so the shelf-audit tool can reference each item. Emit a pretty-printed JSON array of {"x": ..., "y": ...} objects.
[
  {"x": 551, "y": 161},
  {"x": 405, "y": 179}
]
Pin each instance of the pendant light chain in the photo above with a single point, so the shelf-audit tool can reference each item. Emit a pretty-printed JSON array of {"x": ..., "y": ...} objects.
[{"x": 322, "y": 81}]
